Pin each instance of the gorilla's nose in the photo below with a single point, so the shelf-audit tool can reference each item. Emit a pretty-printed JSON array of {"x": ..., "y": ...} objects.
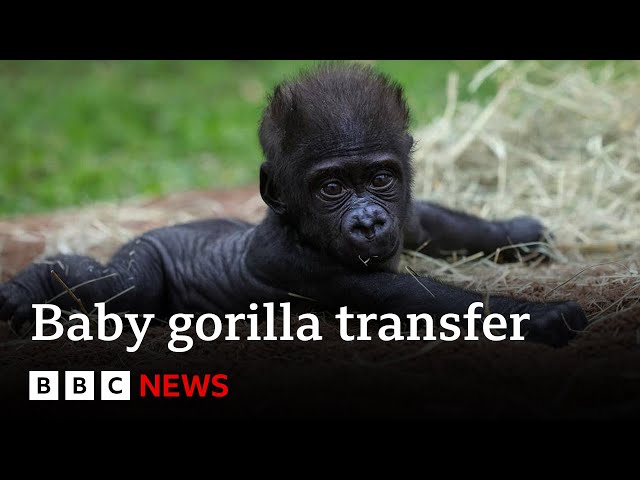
[{"x": 367, "y": 223}]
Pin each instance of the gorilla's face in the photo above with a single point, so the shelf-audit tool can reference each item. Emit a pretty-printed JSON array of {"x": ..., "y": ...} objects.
[
  {"x": 337, "y": 168},
  {"x": 356, "y": 207}
]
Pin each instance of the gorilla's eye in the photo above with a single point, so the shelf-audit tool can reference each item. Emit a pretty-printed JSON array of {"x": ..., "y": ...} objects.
[
  {"x": 331, "y": 189},
  {"x": 382, "y": 180}
]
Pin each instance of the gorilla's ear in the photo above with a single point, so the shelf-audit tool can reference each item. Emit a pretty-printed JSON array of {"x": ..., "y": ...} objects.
[{"x": 268, "y": 190}]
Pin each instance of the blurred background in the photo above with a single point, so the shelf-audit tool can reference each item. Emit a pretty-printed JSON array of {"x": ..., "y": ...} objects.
[{"x": 74, "y": 132}]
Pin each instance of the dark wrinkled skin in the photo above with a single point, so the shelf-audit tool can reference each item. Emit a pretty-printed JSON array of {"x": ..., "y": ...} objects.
[{"x": 337, "y": 179}]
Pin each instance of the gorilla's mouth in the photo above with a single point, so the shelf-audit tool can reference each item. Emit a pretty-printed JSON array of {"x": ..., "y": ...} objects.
[
  {"x": 369, "y": 258},
  {"x": 366, "y": 262}
]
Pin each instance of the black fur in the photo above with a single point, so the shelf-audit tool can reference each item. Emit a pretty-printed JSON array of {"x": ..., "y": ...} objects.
[{"x": 337, "y": 177}]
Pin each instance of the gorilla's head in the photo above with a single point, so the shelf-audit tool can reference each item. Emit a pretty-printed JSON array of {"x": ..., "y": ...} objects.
[{"x": 337, "y": 163}]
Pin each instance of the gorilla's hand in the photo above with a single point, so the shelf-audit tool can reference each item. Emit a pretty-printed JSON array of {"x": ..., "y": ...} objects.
[
  {"x": 553, "y": 323},
  {"x": 15, "y": 304},
  {"x": 523, "y": 230}
]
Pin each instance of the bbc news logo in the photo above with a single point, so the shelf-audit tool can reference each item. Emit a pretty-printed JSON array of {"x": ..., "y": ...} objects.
[{"x": 116, "y": 385}]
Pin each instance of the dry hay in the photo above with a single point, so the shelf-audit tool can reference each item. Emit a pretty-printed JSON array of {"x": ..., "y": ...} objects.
[{"x": 561, "y": 144}]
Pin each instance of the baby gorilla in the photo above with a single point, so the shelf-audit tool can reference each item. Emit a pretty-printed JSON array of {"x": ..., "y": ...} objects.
[{"x": 337, "y": 179}]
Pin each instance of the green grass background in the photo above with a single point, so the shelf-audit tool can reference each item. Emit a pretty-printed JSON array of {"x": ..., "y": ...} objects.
[{"x": 73, "y": 132}]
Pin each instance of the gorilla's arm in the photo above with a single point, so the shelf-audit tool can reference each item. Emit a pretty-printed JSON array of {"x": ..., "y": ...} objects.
[
  {"x": 131, "y": 281},
  {"x": 382, "y": 292},
  {"x": 191, "y": 268},
  {"x": 439, "y": 230}
]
